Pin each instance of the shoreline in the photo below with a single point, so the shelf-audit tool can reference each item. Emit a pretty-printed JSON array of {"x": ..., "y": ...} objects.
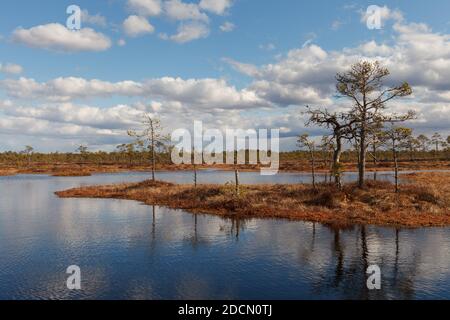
[
  {"x": 73, "y": 170},
  {"x": 422, "y": 204}
]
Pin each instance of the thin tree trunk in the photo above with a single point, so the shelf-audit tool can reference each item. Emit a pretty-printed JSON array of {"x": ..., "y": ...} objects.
[
  {"x": 362, "y": 160},
  {"x": 153, "y": 156},
  {"x": 337, "y": 163},
  {"x": 195, "y": 175},
  {"x": 396, "y": 170},
  {"x": 236, "y": 176},
  {"x": 313, "y": 169}
]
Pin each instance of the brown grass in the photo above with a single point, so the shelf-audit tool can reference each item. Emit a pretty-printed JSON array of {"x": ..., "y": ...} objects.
[
  {"x": 424, "y": 203},
  {"x": 7, "y": 172}
]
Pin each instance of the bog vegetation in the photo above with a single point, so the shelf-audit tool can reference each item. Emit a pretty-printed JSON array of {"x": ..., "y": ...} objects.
[
  {"x": 362, "y": 132},
  {"x": 365, "y": 130}
]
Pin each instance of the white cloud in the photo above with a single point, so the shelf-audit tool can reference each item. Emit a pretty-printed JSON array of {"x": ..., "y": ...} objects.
[
  {"x": 201, "y": 93},
  {"x": 274, "y": 97},
  {"x": 106, "y": 126},
  {"x": 11, "y": 68},
  {"x": 187, "y": 32},
  {"x": 227, "y": 27},
  {"x": 121, "y": 42},
  {"x": 96, "y": 19},
  {"x": 245, "y": 68},
  {"x": 178, "y": 10},
  {"x": 145, "y": 7},
  {"x": 216, "y": 6},
  {"x": 386, "y": 14},
  {"x": 135, "y": 26},
  {"x": 306, "y": 75},
  {"x": 57, "y": 37},
  {"x": 194, "y": 16},
  {"x": 66, "y": 89},
  {"x": 289, "y": 94},
  {"x": 117, "y": 117}
]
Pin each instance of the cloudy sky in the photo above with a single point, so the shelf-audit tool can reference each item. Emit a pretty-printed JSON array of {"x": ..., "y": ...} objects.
[{"x": 230, "y": 63}]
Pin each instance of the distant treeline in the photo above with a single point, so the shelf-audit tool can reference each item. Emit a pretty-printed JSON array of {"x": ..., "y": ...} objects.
[{"x": 135, "y": 158}]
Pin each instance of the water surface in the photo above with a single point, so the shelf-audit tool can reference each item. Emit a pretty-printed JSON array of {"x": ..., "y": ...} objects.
[{"x": 130, "y": 251}]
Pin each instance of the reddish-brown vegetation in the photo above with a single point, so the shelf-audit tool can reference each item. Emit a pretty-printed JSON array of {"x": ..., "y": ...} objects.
[{"x": 426, "y": 202}]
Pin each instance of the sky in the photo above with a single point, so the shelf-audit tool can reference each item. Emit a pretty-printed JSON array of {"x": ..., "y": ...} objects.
[{"x": 245, "y": 64}]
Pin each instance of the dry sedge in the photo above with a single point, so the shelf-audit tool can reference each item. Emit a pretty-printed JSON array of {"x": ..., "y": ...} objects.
[{"x": 424, "y": 202}]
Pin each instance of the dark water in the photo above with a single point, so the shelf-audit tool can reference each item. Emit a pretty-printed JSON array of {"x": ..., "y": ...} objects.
[{"x": 130, "y": 251}]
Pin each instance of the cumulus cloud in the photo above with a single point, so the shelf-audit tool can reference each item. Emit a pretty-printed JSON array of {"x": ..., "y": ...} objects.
[
  {"x": 187, "y": 32},
  {"x": 56, "y": 37},
  {"x": 23, "y": 125},
  {"x": 66, "y": 89},
  {"x": 97, "y": 19},
  {"x": 274, "y": 96},
  {"x": 117, "y": 117},
  {"x": 192, "y": 17},
  {"x": 416, "y": 54},
  {"x": 135, "y": 26},
  {"x": 204, "y": 93},
  {"x": 145, "y": 7},
  {"x": 216, "y": 6},
  {"x": 386, "y": 14},
  {"x": 11, "y": 68},
  {"x": 105, "y": 126},
  {"x": 178, "y": 10}
]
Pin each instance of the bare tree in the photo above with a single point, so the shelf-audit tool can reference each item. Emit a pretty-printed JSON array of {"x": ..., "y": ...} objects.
[
  {"x": 304, "y": 142},
  {"x": 236, "y": 173},
  {"x": 127, "y": 149},
  {"x": 29, "y": 153},
  {"x": 364, "y": 86},
  {"x": 195, "y": 166},
  {"x": 396, "y": 138},
  {"x": 152, "y": 135},
  {"x": 424, "y": 142},
  {"x": 375, "y": 140},
  {"x": 327, "y": 148},
  {"x": 413, "y": 145},
  {"x": 436, "y": 140},
  {"x": 83, "y": 151},
  {"x": 342, "y": 125}
]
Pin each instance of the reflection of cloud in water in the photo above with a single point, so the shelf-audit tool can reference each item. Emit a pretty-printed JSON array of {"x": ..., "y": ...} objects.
[{"x": 126, "y": 250}]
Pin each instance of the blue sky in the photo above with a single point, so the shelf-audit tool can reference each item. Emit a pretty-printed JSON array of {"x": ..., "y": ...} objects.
[
  {"x": 286, "y": 24},
  {"x": 264, "y": 34}
]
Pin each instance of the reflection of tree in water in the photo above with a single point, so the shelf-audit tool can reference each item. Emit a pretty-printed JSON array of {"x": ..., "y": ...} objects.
[
  {"x": 195, "y": 239},
  {"x": 339, "y": 273},
  {"x": 153, "y": 223},
  {"x": 346, "y": 277},
  {"x": 404, "y": 281},
  {"x": 307, "y": 253},
  {"x": 234, "y": 227}
]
